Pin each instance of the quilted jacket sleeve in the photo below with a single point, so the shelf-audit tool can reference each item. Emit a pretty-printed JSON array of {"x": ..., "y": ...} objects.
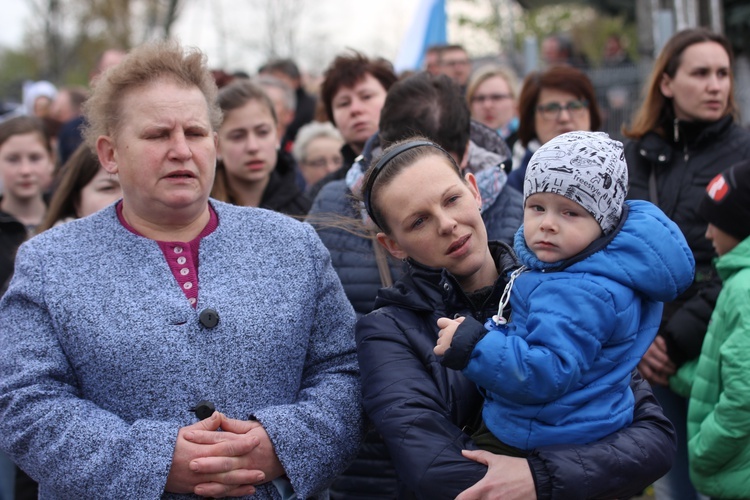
[
  {"x": 724, "y": 430},
  {"x": 618, "y": 466},
  {"x": 401, "y": 397}
]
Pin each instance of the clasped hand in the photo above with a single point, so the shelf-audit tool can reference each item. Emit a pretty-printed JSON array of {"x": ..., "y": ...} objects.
[{"x": 222, "y": 463}]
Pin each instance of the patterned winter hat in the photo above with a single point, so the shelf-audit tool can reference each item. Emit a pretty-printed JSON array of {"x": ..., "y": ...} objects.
[
  {"x": 586, "y": 167},
  {"x": 726, "y": 203}
]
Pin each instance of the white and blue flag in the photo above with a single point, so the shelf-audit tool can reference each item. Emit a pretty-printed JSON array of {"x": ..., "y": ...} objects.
[{"x": 428, "y": 27}]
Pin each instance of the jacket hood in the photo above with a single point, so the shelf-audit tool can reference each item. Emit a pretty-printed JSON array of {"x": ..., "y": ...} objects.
[
  {"x": 735, "y": 260},
  {"x": 646, "y": 252},
  {"x": 488, "y": 148}
]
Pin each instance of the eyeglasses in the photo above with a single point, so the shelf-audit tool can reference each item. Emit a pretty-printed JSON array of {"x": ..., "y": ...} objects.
[
  {"x": 456, "y": 62},
  {"x": 323, "y": 162},
  {"x": 552, "y": 110},
  {"x": 490, "y": 97}
]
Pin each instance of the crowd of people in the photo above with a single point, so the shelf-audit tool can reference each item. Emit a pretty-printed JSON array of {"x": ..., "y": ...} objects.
[{"x": 446, "y": 284}]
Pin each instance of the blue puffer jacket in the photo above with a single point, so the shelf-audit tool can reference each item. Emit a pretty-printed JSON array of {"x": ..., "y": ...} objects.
[
  {"x": 352, "y": 255},
  {"x": 421, "y": 408},
  {"x": 559, "y": 371}
]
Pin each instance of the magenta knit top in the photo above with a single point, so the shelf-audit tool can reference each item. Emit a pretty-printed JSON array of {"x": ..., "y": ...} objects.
[{"x": 182, "y": 257}]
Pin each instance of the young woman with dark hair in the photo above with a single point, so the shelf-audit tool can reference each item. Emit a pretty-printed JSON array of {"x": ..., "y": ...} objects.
[{"x": 684, "y": 134}]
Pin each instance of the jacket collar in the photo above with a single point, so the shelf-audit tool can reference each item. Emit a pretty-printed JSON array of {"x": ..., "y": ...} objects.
[{"x": 428, "y": 289}]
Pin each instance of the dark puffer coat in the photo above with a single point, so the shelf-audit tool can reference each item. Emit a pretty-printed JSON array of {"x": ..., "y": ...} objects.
[
  {"x": 282, "y": 194},
  {"x": 12, "y": 234},
  {"x": 421, "y": 408},
  {"x": 371, "y": 476},
  {"x": 672, "y": 172}
]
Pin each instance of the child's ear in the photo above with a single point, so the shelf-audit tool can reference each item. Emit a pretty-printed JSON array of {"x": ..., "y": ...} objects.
[{"x": 391, "y": 245}]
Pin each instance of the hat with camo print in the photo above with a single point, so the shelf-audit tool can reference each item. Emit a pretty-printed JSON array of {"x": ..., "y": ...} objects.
[{"x": 586, "y": 167}]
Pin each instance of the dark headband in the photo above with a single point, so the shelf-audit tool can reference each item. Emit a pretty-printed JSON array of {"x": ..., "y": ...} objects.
[{"x": 383, "y": 161}]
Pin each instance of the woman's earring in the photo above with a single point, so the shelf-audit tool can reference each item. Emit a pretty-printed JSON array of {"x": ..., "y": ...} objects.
[{"x": 480, "y": 210}]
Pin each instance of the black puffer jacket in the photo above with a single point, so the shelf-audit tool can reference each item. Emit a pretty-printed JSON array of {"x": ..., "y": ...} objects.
[
  {"x": 682, "y": 165},
  {"x": 12, "y": 234},
  {"x": 282, "y": 194},
  {"x": 421, "y": 407}
]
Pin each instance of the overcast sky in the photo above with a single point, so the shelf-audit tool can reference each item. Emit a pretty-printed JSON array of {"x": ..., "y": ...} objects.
[{"x": 230, "y": 31}]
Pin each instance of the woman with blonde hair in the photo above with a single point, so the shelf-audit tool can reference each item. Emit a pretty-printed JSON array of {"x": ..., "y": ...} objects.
[
  {"x": 683, "y": 135},
  {"x": 492, "y": 96},
  {"x": 317, "y": 151}
]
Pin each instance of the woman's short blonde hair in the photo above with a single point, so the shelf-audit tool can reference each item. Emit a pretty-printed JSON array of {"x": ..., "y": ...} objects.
[
  {"x": 310, "y": 132},
  {"x": 146, "y": 64},
  {"x": 488, "y": 71}
]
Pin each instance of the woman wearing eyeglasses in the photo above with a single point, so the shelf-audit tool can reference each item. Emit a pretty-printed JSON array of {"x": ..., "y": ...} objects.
[
  {"x": 492, "y": 97},
  {"x": 683, "y": 135},
  {"x": 317, "y": 150},
  {"x": 552, "y": 102}
]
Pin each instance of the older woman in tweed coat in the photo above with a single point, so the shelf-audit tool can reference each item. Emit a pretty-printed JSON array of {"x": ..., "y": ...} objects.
[{"x": 116, "y": 325}]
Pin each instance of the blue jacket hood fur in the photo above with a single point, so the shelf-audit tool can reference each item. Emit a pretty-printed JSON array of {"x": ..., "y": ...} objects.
[{"x": 103, "y": 356}]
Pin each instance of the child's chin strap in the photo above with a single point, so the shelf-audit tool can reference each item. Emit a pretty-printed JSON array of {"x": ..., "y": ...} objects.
[{"x": 505, "y": 298}]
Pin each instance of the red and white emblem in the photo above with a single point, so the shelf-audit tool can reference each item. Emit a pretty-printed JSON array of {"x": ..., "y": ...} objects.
[{"x": 718, "y": 188}]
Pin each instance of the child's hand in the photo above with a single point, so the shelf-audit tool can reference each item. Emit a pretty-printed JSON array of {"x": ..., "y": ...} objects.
[{"x": 445, "y": 335}]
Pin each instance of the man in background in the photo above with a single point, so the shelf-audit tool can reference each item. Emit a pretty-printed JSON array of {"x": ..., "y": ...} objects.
[
  {"x": 455, "y": 62},
  {"x": 287, "y": 71}
]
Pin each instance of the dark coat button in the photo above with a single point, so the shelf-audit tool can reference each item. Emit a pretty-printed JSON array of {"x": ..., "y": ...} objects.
[
  {"x": 209, "y": 318},
  {"x": 203, "y": 409}
]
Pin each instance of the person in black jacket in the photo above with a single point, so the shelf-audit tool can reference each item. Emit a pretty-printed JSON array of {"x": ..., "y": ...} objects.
[
  {"x": 252, "y": 170},
  {"x": 432, "y": 106},
  {"x": 428, "y": 215},
  {"x": 26, "y": 164},
  {"x": 684, "y": 134},
  {"x": 304, "y": 109}
]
